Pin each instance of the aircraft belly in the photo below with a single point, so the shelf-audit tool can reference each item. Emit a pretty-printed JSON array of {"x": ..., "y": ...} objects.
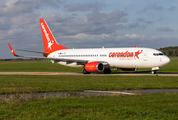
[
  {"x": 72, "y": 64},
  {"x": 122, "y": 63}
]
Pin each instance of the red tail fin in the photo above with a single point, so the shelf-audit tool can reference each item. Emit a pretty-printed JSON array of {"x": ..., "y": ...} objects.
[{"x": 49, "y": 41}]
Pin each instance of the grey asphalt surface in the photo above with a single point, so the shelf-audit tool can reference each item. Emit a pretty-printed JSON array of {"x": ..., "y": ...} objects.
[
  {"x": 93, "y": 74},
  {"x": 87, "y": 93}
]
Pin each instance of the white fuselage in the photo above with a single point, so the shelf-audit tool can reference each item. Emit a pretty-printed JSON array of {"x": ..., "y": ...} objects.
[{"x": 115, "y": 57}]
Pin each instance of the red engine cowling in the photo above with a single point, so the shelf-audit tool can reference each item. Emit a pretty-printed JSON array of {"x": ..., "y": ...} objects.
[
  {"x": 129, "y": 69},
  {"x": 94, "y": 67}
]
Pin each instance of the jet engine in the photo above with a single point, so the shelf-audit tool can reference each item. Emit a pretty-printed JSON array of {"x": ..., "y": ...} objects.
[{"x": 94, "y": 67}]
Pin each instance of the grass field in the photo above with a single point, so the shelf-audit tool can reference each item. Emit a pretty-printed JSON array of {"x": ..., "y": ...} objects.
[
  {"x": 35, "y": 66},
  {"x": 152, "y": 106},
  {"x": 52, "y": 83},
  {"x": 147, "y": 107}
]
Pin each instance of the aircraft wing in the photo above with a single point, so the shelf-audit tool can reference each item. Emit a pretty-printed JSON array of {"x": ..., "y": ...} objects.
[
  {"x": 83, "y": 62},
  {"x": 31, "y": 51}
]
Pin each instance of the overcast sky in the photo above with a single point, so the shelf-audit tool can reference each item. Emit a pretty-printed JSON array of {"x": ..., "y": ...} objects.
[{"x": 88, "y": 23}]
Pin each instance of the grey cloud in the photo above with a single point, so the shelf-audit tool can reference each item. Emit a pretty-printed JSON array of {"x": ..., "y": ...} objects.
[
  {"x": 93, "y": 23},
  {"x": 161, "y": 18},
  {"x": 113, "y": 40},
  {"x": 144, "y": 21},
  {"x": 151, "y": 7},
  {"x": 135, "y": 25},
  {"x": 50, "y": 3},
  {"x": 11, "y": 7},
  {"x": 165, "y": 29},
  {"x": 157, "y": 8},
  {"x": 83, "y": 7},
  {"x": 24, "y": 19},
  {"x": 172, "y": 8},
  {"x": 130, "y": 26},
  {"x": 110, "y": 17},
  {"x": 129, "y": 8},
  {"x": 15, "y": 13},
  {"x": 4, "y": 23},
  {"x": 57, "y": 18},
  {"x": 15, "y": 7},
  {"x": 138, "y": 23}
]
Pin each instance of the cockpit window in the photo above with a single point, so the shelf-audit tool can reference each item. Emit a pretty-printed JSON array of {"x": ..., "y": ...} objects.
[
  {"x": 161, "y": 53},
  {"x": 158, "y": 54}
]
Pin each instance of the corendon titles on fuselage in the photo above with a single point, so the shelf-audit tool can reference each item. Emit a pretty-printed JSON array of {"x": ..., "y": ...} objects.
[{"x": 125, "y": 55}]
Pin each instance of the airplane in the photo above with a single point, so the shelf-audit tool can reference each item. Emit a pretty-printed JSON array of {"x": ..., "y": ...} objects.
[{"x": 98, "y": 59}]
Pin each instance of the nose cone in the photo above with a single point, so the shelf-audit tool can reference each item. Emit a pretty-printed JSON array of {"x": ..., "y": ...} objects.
[{"x": 166, "y": 60}]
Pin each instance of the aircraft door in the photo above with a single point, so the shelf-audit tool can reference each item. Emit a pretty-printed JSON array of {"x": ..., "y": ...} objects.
[{"x": 145, "y": 56}]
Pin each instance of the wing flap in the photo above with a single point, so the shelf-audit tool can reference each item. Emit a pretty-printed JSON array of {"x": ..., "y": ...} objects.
[{"x": 32, "y": 51}]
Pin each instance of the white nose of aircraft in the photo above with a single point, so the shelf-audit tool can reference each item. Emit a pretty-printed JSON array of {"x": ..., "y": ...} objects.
[{"x": 165, "y": 60}]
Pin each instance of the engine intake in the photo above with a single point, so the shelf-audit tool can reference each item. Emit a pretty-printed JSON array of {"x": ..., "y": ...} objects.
[{"x": 94, "y": 67}]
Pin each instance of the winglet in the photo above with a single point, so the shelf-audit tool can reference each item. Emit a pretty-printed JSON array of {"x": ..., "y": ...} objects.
[{"x": 13, "y": 51}]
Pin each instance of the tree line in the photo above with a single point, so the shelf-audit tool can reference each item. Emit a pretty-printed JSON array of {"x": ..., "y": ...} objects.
[{"x": 170, "y": 51}]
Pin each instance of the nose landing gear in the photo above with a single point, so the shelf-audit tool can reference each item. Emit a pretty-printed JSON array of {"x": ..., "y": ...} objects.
[
  {"x": 154, "y": 69},
  {"x": 153, "y": 72}
]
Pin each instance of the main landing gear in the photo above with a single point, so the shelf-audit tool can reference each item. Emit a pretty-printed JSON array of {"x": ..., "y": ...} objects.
[
  {"x": 85, "y": 72},
  {"x": 107, "y": 71}
]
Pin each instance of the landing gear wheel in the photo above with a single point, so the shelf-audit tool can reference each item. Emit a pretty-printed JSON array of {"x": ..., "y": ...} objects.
[
  {"x": 107, "y": 71},
  {"x": 153, "y": 72},
  {"x": 85, "y": 72}
]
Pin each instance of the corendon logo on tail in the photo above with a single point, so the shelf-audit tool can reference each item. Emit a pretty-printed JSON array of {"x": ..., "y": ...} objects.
[
  {"x": 50, "y": 42},
  {"x": 125, "y": 55}
]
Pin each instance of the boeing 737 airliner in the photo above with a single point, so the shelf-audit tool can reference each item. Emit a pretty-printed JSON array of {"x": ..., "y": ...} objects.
[{"x": 100, "y": 59}]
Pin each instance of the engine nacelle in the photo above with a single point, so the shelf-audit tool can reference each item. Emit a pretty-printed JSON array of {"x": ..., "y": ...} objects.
[
  {"x": 94, "y": 67},
  {"x": 129, "y": 69}
]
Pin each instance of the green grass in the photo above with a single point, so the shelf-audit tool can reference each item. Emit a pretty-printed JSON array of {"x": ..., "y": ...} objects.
[
  {"x": 35, "y": 66},
  {"x": 147, "y": 107},
  {"x": 171, "y": 67},
  {"x": 52, "y": 83}
]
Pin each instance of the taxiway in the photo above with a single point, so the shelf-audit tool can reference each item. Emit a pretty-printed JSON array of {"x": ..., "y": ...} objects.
[{"x": 93, "y": 74}]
